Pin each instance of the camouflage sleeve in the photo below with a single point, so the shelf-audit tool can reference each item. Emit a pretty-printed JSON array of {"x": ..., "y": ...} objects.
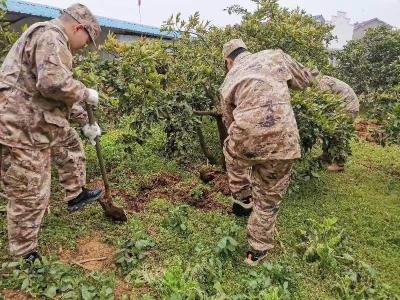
[
  {"x": 79, "y": 115},
  {"x": 301, "y": 76},
  {"x": 54, "y": 63},
  {"x": 227, "y": 107}
]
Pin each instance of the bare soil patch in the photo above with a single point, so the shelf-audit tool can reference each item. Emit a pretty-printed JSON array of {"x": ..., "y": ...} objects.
[
  {"x": 91, "y": 253},
  {"x": 369, "y": 131},
  {"x": 171, "y": 187},
  {"x": 15, "y": 295},
  {"x": 121, "y": 288}
]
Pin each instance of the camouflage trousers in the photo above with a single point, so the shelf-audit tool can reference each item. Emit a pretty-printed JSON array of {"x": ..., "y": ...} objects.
[
  {"x": 268, "y": 181},
  {"x": 26, "y": 180}
]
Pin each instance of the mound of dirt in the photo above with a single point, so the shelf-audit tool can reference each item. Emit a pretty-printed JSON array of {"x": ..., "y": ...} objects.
[
  {"x": 14, "y": 295},
  {"x": 365, "y": 130},
  {"x": 91, "y": 253},
  {"x": 216, "y": 178},
  {"x": 170, "y": 187}
]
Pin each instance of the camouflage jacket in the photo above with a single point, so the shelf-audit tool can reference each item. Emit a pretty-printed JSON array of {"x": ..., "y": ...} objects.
[
  {"x": 37, "y": 90},
  {"x": 338, "y": 87},
  {"x": 256, "y": 105}
]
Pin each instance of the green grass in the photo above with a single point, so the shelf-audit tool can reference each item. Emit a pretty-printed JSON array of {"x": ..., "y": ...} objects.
[{"x": 365, "y": 200}]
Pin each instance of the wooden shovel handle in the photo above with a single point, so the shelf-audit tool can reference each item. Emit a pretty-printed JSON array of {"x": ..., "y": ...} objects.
[{"x": 92, "y": 121}]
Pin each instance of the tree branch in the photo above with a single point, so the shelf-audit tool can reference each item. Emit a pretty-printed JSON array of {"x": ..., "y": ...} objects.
[{"x": 214, "y": 114}]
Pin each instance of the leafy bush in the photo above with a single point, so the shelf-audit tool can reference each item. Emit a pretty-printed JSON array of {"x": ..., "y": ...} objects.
[
  {"x": 360, "y": 282},
  {"x": 50, "y": 278},
  {"x": 371, "y": 63},
  {"x": 272, "y": 281},
  {"x": 131, "y": 252},
  {"x": 322, "y": 243},
  {"x": 377, "y": 55},
  {"x": 177, "y": 284},
  {"x": 226, "y": 246},
  {"x": 152, "y": 82},
  {"x": 7, "y": 36},
  {"x": 134, "y": 249},
  {"x": 383, "y": 107},
  {"x": 177, "y": 219}
]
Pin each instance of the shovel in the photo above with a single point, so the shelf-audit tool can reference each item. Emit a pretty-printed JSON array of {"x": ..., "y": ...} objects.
[{"x": 111, "y": 211}]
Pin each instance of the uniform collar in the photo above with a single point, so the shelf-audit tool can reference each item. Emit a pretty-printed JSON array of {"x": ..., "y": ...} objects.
[
  {"x": 242, "y": 56},
  {"x": 60, "y": 26}
]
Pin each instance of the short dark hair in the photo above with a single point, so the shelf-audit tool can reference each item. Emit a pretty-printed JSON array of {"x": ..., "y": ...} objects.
[{"x": 236, "y": 53}]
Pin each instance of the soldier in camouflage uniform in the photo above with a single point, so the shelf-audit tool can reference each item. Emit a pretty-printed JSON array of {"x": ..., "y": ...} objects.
[
  {"x": 37, "y": 96},
  {"x": 263, "y": 134},
  {"x": 351, "y": 106}
]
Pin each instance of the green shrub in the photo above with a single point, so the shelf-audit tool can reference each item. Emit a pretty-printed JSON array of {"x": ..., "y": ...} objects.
[{"x": 51, "y": 279}]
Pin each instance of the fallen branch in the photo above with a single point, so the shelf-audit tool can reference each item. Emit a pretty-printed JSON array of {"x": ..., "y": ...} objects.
[
  {"x": 92, "y": 259},
  {"x": 214, "y": 114},
  {"x": 82, "y": 262}
]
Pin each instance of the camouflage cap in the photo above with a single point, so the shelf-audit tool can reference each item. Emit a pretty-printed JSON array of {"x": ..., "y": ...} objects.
[
  {"x": 84, "y": 16},
  {"x": 231, "y": 46}
]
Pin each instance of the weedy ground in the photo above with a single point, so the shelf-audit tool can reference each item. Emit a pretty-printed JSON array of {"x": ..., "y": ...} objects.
[{"x": 339, "y": 238}]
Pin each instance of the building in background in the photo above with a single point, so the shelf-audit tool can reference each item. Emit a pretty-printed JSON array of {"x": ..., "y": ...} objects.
[
  {"x": 22, "y": 13},
  {"x": 345, "y": 31},
  {"x": 361, "y": 28}
]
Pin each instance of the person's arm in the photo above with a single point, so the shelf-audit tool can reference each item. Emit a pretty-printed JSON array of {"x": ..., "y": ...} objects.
[
  {"x": 79, "y": 115},
  {"x": 301, "y": 77},
  {"x": 227, "y": 106},
  {"x": 54, "y": 76}
]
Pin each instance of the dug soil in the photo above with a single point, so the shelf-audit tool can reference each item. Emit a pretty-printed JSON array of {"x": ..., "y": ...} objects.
[
  {"x": 368, "y": 131},
  {"x": 14, "y": 295},
  {"x": 171, "y": 187}
]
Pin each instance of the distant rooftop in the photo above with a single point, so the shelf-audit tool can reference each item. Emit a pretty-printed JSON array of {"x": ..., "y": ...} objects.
[
  {"x": 50, "y": 12},
  {"x": 366, "y": 23},
  {"x": 319, "y": 18}
]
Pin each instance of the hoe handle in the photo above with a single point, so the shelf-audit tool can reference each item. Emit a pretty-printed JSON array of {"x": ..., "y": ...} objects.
[{"x": 92, "y": 121}]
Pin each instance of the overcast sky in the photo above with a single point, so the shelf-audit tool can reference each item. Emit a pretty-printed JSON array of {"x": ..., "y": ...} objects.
[{"x": 154, "y": 12}]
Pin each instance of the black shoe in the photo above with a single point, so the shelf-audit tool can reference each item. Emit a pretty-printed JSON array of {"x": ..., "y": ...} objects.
[
  {"x": 242, "y": 208},
  {"x": 253, "y": 257},
  {"x": 84, "y": 198},
  {"x": 31, "y": 257}
]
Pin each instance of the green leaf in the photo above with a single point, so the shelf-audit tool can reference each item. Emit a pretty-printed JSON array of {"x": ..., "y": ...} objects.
[
  {"x": 86, "y": 294},
  {"x": 51, "y": 292},
  {"x": 25, "y": 284}
]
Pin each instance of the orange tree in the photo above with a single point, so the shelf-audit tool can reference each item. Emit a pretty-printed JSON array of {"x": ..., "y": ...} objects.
[
  {"x": 372, "y": 66},
  {"x": 176, "y": 83},
  {"x": 7, "y": 36}
]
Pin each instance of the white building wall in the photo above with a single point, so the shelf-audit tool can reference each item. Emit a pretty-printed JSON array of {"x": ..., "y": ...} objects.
[{"x": 343, "y": 31}]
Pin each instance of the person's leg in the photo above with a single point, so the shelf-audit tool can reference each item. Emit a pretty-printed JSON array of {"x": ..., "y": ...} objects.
[
  {"x": 26, "y": 179},
  {"x": 325, "y": 157},
  {"x": 337, "y": 162},
  {"x": 238, "y": 174},
  {"x": 238, "y": 171},
  {"x": 69, "y": 157},
  {"x": 270, "y": 181}
]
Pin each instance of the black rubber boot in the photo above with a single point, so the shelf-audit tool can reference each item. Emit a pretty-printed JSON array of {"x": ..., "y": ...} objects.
[
  {"x": 242, "y": 208},
  {"x": 31, "y": 257},
  {"x": 86, "y": 197}
]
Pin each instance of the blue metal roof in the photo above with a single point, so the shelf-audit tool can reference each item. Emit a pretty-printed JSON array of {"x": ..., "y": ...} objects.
[{"x": 51, "y": 12}]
